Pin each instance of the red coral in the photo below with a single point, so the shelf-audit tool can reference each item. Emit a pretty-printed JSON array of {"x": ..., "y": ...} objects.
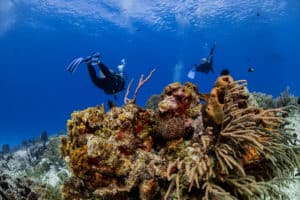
[{"x": 120, "y": 135}]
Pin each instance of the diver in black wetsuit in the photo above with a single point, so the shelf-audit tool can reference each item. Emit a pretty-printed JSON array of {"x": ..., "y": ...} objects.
[
  {"x": 206, "y": 64},
  {"x": 110, "y": 81}
]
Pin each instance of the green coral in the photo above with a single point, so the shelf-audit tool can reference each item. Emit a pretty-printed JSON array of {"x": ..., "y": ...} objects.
[{"x": 53, "y": 193}]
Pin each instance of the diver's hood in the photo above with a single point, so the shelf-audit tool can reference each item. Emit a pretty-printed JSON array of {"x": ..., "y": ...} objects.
[{"x": 203, "y": 60}]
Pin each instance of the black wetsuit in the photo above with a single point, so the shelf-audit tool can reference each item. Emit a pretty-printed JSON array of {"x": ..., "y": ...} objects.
[
  {"x": 112, "y": 83},
  {"x": 206, "y": 67}
]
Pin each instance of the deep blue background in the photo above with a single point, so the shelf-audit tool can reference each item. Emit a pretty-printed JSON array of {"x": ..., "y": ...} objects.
[{"x": 38, "y": 94}]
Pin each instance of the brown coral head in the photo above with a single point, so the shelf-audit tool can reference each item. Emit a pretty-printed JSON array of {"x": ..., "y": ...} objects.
[
  {"x": 168, "y": 104},
  {"x": 222, "y": 81},
  {"x": 218, "y": 95},
  {"x": 215, "y": 103},
  {"x": 215, "y": 112},
  {"x": 171, "y": 128},
  {"x": 171, "y": 88},
  {"x": 178, "y": 98},
  {"x": 176, "y": 90},
  {"x": 185, "y": 93},
  {"x": 192, "y": 87}
]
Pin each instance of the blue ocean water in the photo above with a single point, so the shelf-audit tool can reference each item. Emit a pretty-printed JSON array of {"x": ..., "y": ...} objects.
[{"x": 38, "y": 39}]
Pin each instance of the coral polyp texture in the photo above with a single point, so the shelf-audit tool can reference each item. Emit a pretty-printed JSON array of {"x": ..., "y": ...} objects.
[{"x": 221, "y": 149}]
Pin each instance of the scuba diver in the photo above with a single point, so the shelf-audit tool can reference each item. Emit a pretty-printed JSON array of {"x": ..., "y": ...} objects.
[
  {"x": 108, "y": 80},
  {"x": 206, "y": 64}
]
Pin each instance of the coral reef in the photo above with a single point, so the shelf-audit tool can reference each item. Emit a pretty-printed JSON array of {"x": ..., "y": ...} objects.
[
  {"x": 182, "y": 149},
  {"x": 265, "y": 101},
  {"x": 17, "y": 189},
  {"x": 35, "y": 170},
  {"x": 111, "y": 156},
  {"x": 178, "y": 110},
  {"x": 286, "y": 99},
  {"x": 293, "y": 119},
  {"x": 261, "y": 100}
]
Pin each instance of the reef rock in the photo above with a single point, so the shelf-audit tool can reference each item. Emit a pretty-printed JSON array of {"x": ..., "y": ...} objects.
[
  {"x": 223, "y": 149},
  {"x": 109, "y": 152}
]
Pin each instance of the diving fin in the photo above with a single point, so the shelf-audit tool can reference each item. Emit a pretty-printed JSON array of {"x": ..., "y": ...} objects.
[
  {"x": 74, "y": 64},
  {"x": 77, "y": 61},
  {"x": 191, "y": 74}
]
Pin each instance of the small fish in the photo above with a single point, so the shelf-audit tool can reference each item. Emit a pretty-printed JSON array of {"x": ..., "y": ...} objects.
[
  {"x": 298, "y": 100},
  {"x": 257, "y": 14},
  {"x": 250, "y": 69},
  {"x": 225, "y": 72}
]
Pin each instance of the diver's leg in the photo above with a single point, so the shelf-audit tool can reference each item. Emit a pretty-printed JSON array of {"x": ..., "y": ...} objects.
[
  {"x": 210, "y": 63},
  {"x": 212, "y": 69},
  {"x": 104, "y": 69},
  {"x": 211, "y": 58},
  {"x": 211, "y": 53},
  {"x": 93, "y": 74},
  {"x": 99, "y": 82}
]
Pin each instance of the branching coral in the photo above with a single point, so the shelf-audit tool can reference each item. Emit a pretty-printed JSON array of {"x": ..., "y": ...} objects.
[
  {"x": 260, "y": 131},
  {"x": 142, "y": 81},
  {"x": 194, "y": 170},
  {"x": 251, "y": 140},
  {"x": 248, "y": 150}
]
